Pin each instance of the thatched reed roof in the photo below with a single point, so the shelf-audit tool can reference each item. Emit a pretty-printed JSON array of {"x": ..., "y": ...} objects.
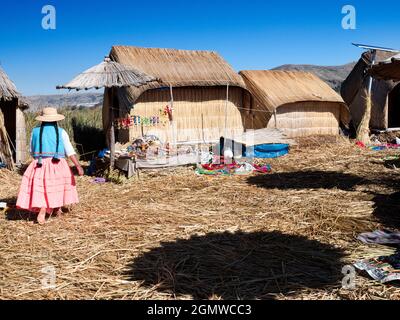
[
  {"x": 108, "y": 74},
  {"x": 388, "y": 69},
  {"x": 8, "y": 89},
  {"x": 176, "y": 68},
  {"x": 356, "y": 80},
  {"x": 276, "y": 88}
]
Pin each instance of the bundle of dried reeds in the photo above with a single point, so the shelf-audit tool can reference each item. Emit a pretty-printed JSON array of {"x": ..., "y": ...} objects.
[{"x": 363, "y": 128}]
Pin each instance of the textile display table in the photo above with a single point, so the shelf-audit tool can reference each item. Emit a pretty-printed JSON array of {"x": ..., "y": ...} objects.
[{"x": 130, "y": 165}]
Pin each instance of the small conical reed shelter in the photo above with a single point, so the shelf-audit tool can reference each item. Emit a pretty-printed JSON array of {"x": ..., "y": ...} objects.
[{"x": 109, "y": 74}]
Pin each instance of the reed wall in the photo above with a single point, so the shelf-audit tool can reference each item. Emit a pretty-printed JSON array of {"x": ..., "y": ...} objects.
[
  {"x": 297, "y": 119},
  {"x": 199, "y": 114},
  {"x": 22, "y": 152},
  {"x": 307, "y": 118},
  {"x": 13, "y": 132}
]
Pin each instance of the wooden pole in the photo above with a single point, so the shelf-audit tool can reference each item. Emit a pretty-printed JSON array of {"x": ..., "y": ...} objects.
[
  {"x": 202, "y": 128},
  {"x": 371, "y": 79},
  {"x": 174, "y": 142},
  {"x": 226, "y": 110},
  {"x": 112, "y": 130}
]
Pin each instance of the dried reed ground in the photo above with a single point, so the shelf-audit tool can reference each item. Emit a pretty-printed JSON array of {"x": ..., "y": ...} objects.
[{"x": 325, "y": 193}]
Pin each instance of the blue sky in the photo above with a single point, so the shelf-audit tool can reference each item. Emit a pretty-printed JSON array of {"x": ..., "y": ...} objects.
[{"x": 257, "y": 34}]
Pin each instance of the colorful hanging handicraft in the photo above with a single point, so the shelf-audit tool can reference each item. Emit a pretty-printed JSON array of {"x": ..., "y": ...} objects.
[
  {"x": 162, "y": 118},
  {"x": 168, "y": 111}
]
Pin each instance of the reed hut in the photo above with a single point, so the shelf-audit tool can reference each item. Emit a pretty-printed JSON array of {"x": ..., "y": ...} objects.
[
  {"x": 298, "y": 103},
  {"x": 205, "y": 94},
  {"x": 13, "y": 146},
  {"x": 385, "y": 94}
]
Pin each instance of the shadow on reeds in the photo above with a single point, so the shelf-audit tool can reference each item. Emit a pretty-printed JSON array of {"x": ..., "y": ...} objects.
[
  {"x": 307, "y": 180},
  {"x": 238, "y": 265},
  {"x": 387, "y": 209},
  {"x": 392, "y": 163},
  {"x": 14, "y": 214},
  {"x": 88, "y": 139}
]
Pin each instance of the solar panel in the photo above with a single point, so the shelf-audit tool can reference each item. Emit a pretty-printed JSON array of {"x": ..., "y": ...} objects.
[{"x": 368, "y": 47}]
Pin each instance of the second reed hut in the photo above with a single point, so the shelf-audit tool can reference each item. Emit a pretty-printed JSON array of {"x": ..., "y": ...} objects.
[
  {"x": 206, "y": 96},
  {"x": 298, "y": 103},
  {"x": 13, "y": 146}
]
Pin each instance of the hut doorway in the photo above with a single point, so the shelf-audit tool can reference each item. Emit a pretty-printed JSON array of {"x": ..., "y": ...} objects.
[
  {"x": 10, "y": 119},
  {"x": 394, "y": 108}
]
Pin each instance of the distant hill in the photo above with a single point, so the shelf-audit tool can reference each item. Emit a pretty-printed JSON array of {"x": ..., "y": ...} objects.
[
  {"x": 86, "y": 99},
  {"x": 333, "y": 75}
]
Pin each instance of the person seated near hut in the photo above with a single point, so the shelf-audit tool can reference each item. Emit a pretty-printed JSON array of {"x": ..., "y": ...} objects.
[{"x": 48, "y": 183}]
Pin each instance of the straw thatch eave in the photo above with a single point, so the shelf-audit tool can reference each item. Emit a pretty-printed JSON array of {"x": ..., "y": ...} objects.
[
  {"x": 8, "y": 90},
  {"x": 175, "y": 68}
]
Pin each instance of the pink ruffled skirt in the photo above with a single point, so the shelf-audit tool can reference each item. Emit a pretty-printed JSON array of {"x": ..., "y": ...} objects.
[{"x": 50, "y": 186}]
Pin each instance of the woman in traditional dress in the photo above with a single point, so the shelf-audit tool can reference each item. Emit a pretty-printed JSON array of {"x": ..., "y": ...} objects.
[{"x": 48, "y": 184}]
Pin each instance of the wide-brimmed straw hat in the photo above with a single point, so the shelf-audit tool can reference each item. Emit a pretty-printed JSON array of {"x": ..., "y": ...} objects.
[{"x": 50, "y": 115}]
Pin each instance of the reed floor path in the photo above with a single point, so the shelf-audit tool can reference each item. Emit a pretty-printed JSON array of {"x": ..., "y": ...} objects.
[{"x": 174, "y": 235}]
